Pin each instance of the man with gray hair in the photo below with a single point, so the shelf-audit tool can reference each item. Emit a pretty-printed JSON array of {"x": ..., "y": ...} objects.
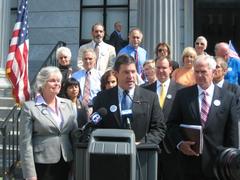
[
  {"x": 89, "y": 78},
  {"x": 210, "y": 107}
]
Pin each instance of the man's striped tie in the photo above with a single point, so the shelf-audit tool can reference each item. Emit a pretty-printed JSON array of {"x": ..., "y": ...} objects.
[
  {"x": 86, "y": 92},
  {"x": 204, "y": 108}
]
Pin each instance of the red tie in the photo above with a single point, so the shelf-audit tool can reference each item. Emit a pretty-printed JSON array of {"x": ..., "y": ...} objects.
[
  {"x": 136, "y": 60},
  {"x": 204, "y": 108},
  {"x": 86, "y": 92}
]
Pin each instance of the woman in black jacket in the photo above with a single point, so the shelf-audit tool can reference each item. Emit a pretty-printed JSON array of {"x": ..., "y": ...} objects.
[{"x": 72, "y": 91}]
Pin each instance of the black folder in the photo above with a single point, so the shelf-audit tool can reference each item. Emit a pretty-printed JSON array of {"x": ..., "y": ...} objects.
[{"x": 193, "y": 133}]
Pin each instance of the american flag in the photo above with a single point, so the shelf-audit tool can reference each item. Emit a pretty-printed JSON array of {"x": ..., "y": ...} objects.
[
  {"x": 233, "y": 52},
  {"x": 17, "y": 60}
]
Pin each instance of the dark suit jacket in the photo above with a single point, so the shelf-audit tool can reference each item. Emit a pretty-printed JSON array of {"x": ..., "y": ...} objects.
[
  {"x": 220, "y": 130},
  {"x": 147, "y": 121},
  {"x": 82, "y": 114},
  {"x": 234, "y": 88},
  {"x": 116, "y": 41},
  {"x": 172, "y": 90}
]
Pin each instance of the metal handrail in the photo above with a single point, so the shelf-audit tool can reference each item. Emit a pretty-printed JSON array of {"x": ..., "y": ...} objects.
[
  {"x": 9, "y": 129},
  {"x": 10, "y": 125},
  {"x": 51, "y": 59}
]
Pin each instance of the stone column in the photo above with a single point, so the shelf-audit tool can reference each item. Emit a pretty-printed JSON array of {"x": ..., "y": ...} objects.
[
  {"x": 4, "y": 43},
  {"x": 162, "y": 21},
  {"x": 4, "y": 30}
]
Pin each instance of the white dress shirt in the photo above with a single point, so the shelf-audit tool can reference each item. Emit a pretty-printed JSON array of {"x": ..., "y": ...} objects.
[
  {"x": 159, "y": 86},
  {"x": 55, "y": 113},
  {"x": 209, "y": 90},
  {"x": 220, "y": 83}
]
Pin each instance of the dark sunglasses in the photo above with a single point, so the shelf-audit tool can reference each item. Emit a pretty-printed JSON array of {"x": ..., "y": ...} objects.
[{"x": 162, "y": 50}]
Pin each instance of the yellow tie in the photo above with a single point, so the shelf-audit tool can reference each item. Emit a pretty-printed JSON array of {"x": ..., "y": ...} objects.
[{"x": 162, "y": 95}]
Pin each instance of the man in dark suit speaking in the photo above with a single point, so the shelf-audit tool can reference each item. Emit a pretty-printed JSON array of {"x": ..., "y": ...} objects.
[
  {"x": 143, "y": 111},
  {"x": 215, "y": 110}
]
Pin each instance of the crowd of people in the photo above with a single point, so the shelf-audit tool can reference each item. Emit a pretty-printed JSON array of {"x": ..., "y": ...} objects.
[{"x": 160, "y": 95}]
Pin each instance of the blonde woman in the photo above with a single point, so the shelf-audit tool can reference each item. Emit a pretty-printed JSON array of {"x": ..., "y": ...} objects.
[{"x": 185, "y": 74}]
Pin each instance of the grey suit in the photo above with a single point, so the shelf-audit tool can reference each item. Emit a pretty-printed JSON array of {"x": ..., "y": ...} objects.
[{"x": 41, "y": 139}]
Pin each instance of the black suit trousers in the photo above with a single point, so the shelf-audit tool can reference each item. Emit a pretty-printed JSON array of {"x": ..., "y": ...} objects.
[
  {"x": 169, "y": 167},
  {"x": 55, "y": 171}
]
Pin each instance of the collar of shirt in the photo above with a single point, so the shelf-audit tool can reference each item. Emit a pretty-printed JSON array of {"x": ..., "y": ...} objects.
[
  {"x": 120, "y": 93},
  {"x": 94, "y": 43},
  {"x": 209, "y": 90},
  {"x": 89, "y": 72},
  {"x": 39, "y": 100},
  {"x": 220, "y": 83},
  {"x": 132, "y": 48},
  {"x": 159, "y": 87},
  {"x": 209, "y": 97},
  {"x": 57, "y": 116},
  {"x": 119, "y": 33}
]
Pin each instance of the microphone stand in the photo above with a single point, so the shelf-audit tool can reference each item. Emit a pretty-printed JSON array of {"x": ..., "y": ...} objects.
[{"x": 129, "y": 126}]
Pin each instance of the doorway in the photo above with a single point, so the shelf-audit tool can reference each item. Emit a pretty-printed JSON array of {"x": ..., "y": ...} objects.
[{"x": 217, "y": 20}]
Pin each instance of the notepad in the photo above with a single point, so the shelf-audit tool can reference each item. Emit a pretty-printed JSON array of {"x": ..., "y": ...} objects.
[{"x": 193, "y": 133}]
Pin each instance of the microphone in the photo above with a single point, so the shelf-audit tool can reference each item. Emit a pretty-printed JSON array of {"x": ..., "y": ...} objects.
[
  {"x": 83, "y": 134},
  {"x": 127, "y": 115},
  {"x": 95, "y": 118}
]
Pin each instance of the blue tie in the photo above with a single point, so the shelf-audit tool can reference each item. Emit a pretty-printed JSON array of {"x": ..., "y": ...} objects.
[{"x": 126, "y": 104}]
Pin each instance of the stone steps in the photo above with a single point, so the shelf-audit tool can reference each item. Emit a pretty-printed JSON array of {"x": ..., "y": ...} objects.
[{"x": 6, "y": 105}]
